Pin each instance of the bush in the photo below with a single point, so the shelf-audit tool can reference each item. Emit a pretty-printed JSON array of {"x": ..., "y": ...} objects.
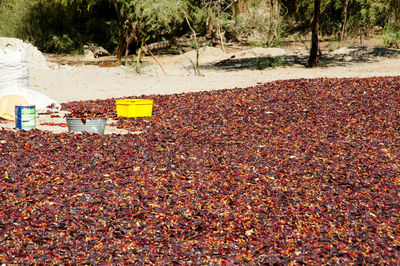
[
  {"x": 13, "y": 14},
  {"x": 391, "y": 36},
  {"x": 268, "y": 62},
  {"x": 56, "y": 27},
  {"x": 258, "y": 25}
]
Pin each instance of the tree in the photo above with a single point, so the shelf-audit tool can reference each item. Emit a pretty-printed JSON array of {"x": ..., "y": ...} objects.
[
  {"x": 313, "y": 60},
  {"x": 147, "y": 19},
  {"x": 343, "y": 33},
  {"x": 137, "y": 20},
  {"x": 240, "y": 6},
  {"x": 395, "y": 7},
  {"x": 372, "y": 13}
]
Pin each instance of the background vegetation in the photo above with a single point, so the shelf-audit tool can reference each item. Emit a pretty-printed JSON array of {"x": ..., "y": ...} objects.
[{"x": 64, "y": 26}]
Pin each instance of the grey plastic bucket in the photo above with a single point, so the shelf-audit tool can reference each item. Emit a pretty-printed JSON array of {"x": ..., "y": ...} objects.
[{"x": 91, "y": 125}]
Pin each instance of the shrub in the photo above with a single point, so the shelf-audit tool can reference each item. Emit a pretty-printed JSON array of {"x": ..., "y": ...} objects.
[
  {"x": 268, "y": 62},
  {"x": 13, "y": 14},
  {"x": 391, "y": 36},
  {"x": 55, "y": 26},
  {"x": 261, "y": 23}
]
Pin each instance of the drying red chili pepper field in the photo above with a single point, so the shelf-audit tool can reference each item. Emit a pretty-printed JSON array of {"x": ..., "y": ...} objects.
[{"x": 290, "y": 172}]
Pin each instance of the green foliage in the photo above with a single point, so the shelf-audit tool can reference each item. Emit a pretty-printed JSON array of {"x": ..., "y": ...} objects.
[
  {"x": 267, "y": 62},
  {"x": 157, "y": 15},
  {"x": 151, "y": 18},
  {"x": 391, "y": 36},
  {"x": 64, "y": 26},
  {"x": 373, "y": 12},
  {"x": 260, "y": 24},
  {"x": 61, "y": 44},
  {"x": 368, "y": 13},
  {"x": 198, "y": 17},
  {"x": 58, "y": 25},
  {"x": 13, "y": 14},
  {"x": 139, "y": 67},
  {"x": 256, "y": 18}
]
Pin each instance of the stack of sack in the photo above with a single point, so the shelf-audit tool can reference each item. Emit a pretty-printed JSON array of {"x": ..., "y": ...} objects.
[{"x": 14, "y": 84}]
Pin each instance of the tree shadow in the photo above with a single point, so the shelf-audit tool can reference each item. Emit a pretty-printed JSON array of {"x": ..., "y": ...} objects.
[
  {"x": 355, "y": 54},
  {"x": 256, "y": 63},
  {"x": 341, "y": 57}
]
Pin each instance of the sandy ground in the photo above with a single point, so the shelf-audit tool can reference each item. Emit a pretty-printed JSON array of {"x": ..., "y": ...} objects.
[{"x": 84, "y": 80}]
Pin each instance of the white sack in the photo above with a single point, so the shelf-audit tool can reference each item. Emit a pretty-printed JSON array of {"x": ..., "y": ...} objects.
[
  {"x": 14, "y": 80},
  {"x": 14, "y": 70}
]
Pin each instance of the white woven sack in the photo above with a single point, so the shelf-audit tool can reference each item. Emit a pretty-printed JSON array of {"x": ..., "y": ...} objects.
[
  {"x": 14, "y": 80},
  {"x": 14, "y": 70}
]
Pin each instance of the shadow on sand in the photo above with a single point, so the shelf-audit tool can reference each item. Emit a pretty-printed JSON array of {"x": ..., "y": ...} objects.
[{"x": 340, "y": 57}]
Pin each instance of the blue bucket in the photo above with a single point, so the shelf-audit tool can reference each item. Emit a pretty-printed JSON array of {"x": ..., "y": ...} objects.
[{"x": 25, "y": 117}]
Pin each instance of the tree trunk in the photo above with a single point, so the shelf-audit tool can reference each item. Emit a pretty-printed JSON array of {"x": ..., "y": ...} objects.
[
  {"x": 209, "y": 25},
  {"x": 277, "y": 20},
  {"x": 131, "y": 37},
  {"x": 271, "y": 21},
  {"x": 240, "y": 7},
  {"x": 343, "y": 33},
  {"x": 362, "y": 33},
  {"x": 274, "y": 21},
  {"x": 128, "y": 41},
  {"x": 120, "y": 47},
  {"x": 395, "y": 7},
  {"x": 313, "y": 60},
  {"x": 121, "y": 34}
]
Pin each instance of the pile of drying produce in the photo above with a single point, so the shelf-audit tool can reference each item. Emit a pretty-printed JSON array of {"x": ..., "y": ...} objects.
[{"x": 296, "y": 171}]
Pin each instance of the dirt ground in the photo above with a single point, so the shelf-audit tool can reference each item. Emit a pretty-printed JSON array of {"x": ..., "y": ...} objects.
[{"x": 74, "y": 77}]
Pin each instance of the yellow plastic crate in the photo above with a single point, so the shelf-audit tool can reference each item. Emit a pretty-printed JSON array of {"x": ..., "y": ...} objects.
[{"x": 134, "y": 107}]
